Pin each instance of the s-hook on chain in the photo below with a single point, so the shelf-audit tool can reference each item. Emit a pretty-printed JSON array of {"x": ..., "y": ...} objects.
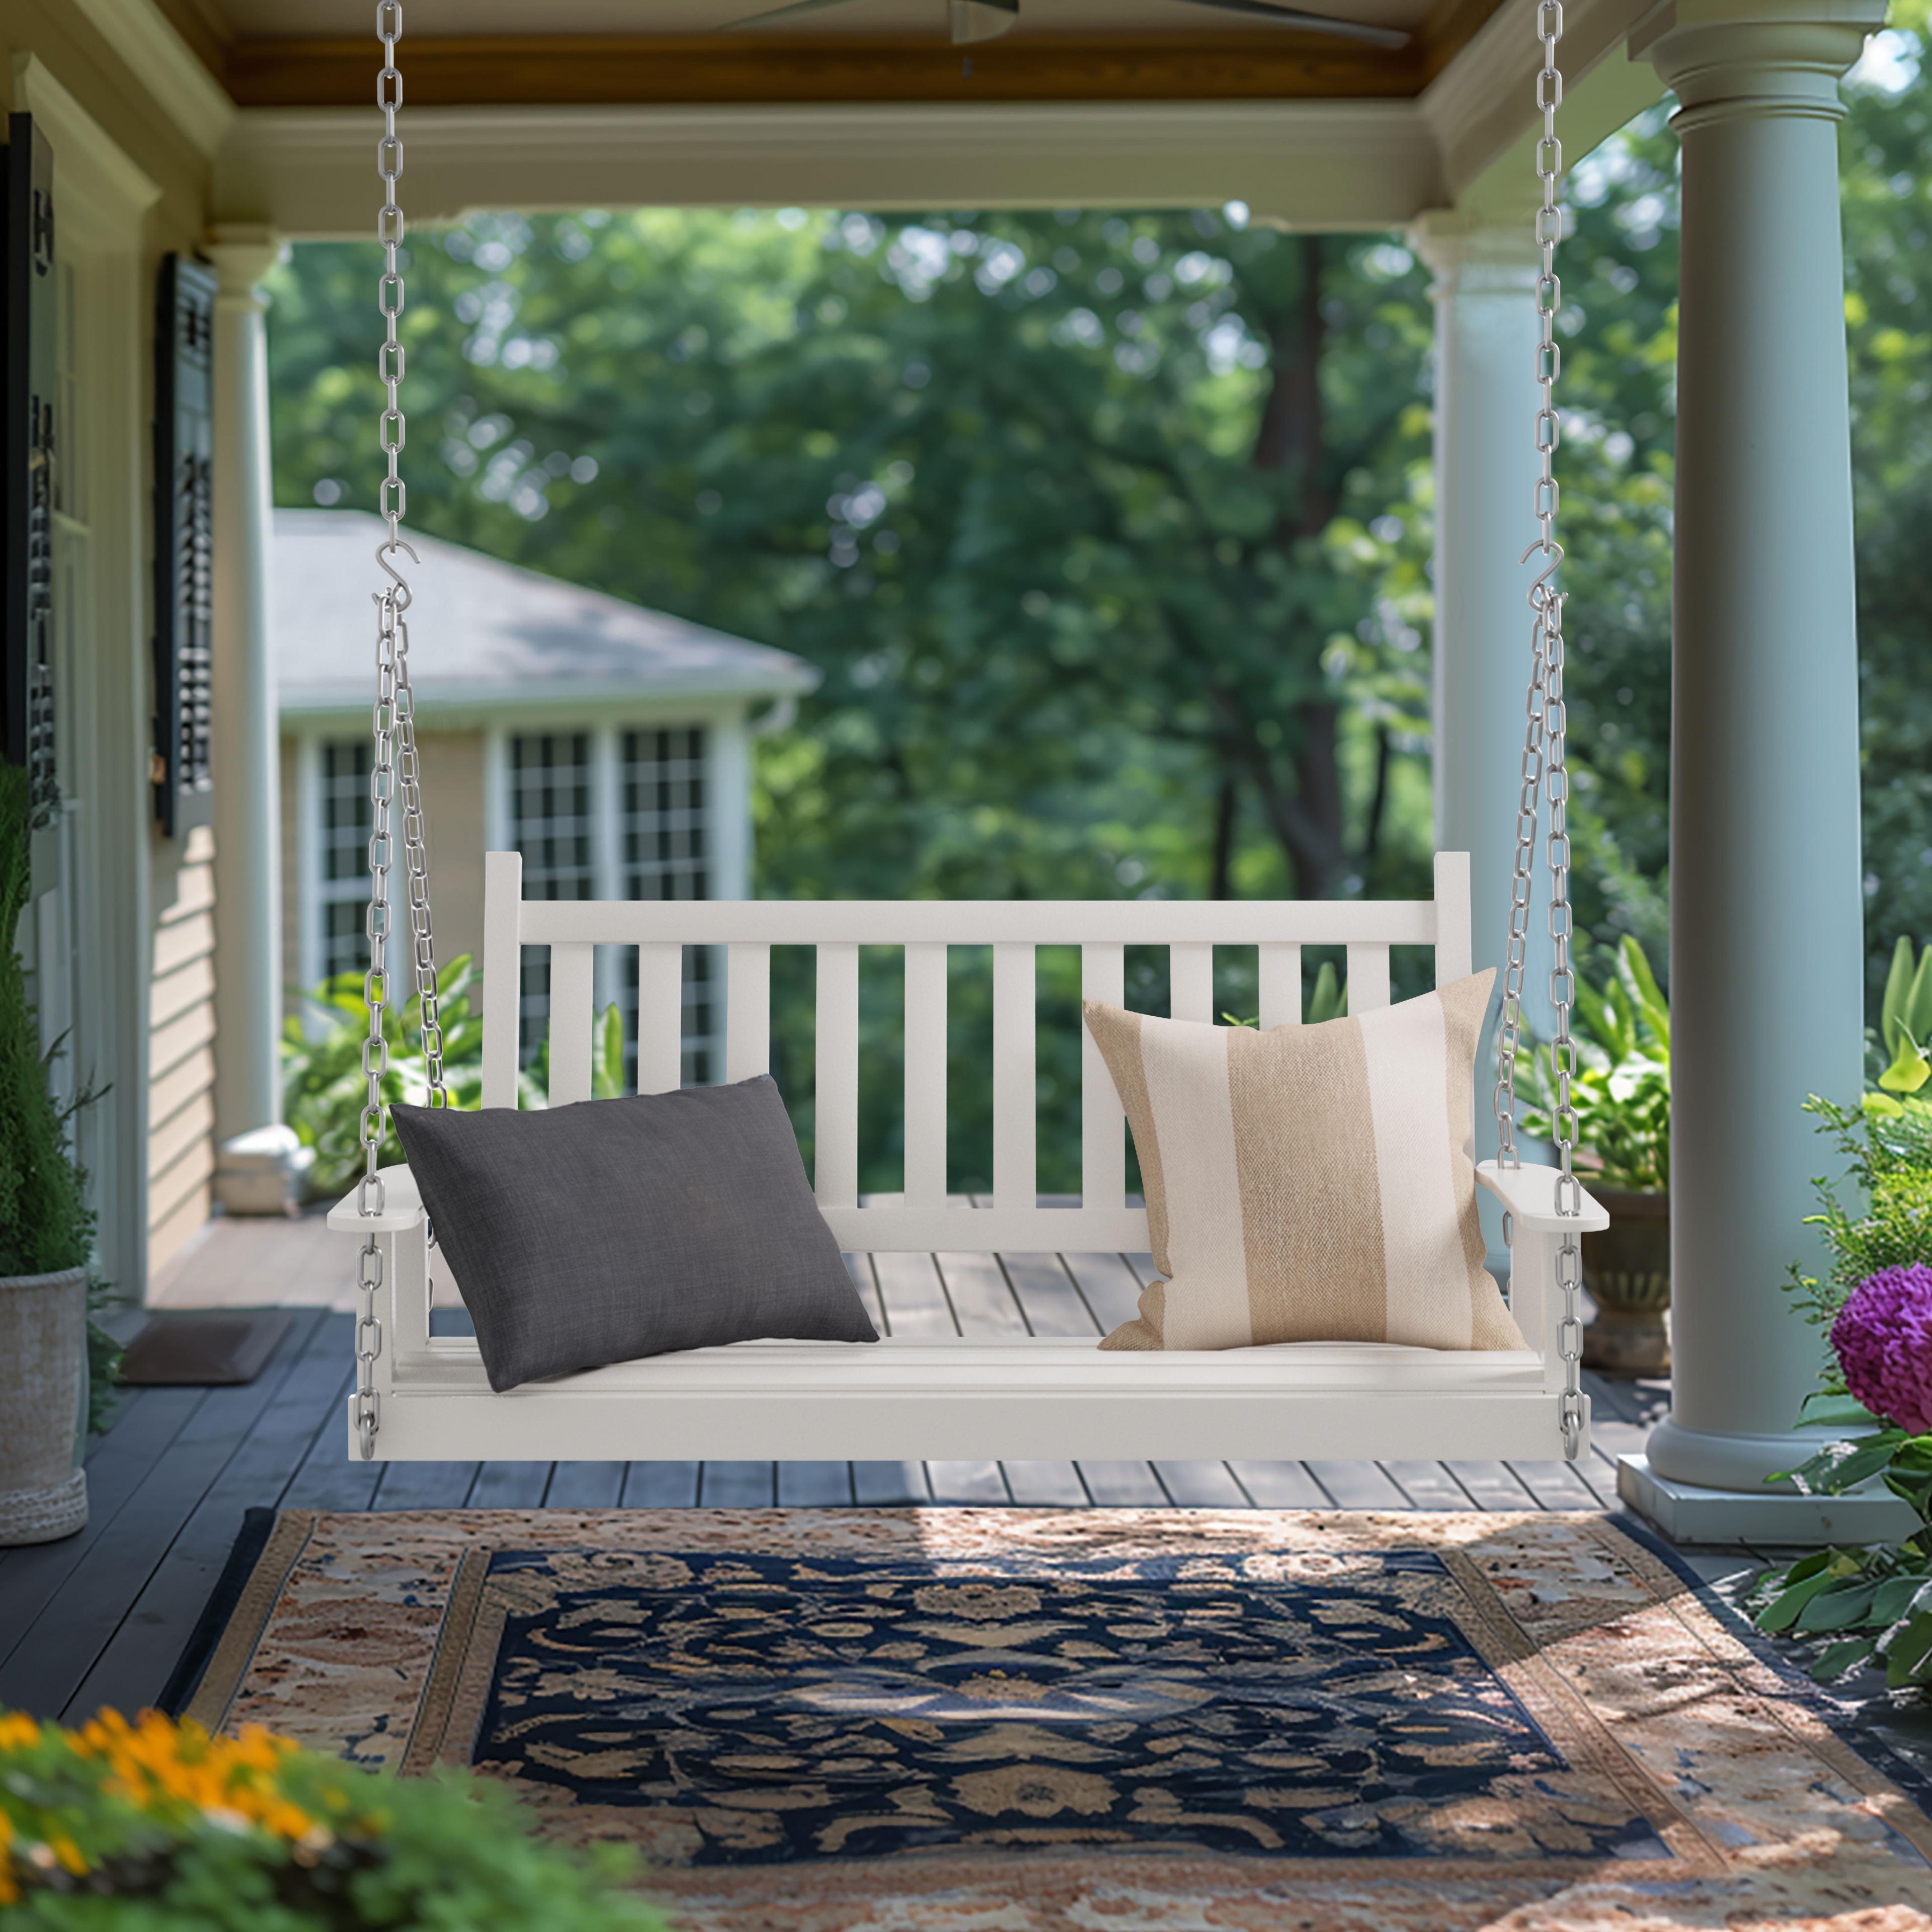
[
  {"x": 1544, "y": 774},
  {"x": 395, "y": 763}
]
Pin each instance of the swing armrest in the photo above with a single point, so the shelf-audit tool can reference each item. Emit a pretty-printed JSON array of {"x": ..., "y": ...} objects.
[
  {"x": 402, "y": 1206},
  {"x": 1529, "y": 1193}
]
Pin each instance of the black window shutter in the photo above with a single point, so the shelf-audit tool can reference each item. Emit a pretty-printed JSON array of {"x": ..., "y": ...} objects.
[
  {"x": 27, "y": 380},
  {"x": 184, "y": 529}
]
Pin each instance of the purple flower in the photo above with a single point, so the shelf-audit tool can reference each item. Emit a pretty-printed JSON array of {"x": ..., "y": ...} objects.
[{"x": 1883, "y": 1337}]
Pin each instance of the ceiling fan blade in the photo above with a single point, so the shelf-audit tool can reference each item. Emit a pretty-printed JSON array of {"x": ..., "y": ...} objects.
[
  {"x": 1310, "y": 23},
  {"x": 779, "y": 13},
  {"x": 972, "y": 20}
]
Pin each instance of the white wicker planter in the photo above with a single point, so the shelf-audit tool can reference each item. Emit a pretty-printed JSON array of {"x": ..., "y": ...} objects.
[{"x": 43, "y": 1372}]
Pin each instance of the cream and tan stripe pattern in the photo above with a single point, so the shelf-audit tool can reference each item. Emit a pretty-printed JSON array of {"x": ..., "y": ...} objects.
[{"x": 1311, "y": 1183}]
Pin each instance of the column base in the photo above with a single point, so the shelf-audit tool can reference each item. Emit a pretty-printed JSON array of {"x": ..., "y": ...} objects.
[
  {"x": 1709, "y": 1459},
  {"x": 1686, "y": 1513}
]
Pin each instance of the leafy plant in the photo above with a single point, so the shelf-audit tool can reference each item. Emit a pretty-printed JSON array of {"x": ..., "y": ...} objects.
[
  {"x": 1877, "y": 1215},
  {"x": 46, "y": 1225},
  {"x": 1329, "y": 1000},
  {"x": 1621, "y": 1089},
  {"x": 1905, "y": 1031},
  {"x": 157, "y": 1825},
  {"x": 1858, "y": 1607},
  {"x": 324, "y": 1089}
]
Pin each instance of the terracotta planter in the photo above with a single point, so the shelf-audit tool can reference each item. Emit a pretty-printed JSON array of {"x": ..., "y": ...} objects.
[
  {"x": 42, "y": 1383},
  {"x": 1627, "y": 1271}
]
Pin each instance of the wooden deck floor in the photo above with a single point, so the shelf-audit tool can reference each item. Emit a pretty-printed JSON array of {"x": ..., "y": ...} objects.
[{"x": 100, "y": 1618}]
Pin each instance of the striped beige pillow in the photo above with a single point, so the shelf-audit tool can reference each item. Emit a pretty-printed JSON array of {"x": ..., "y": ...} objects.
[{"x": 1311, "y": 1183}]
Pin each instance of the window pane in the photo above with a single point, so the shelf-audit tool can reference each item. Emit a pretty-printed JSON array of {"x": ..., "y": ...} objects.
[
  {"x": 661, "y": 798},
  {"x": 549, "y": 823}
]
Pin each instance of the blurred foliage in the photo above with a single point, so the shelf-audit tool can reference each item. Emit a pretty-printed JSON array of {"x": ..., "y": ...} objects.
[
  {"x": 1876, "y": 1213},
  {"x": 1620, "y": 1092},
  {"x": 1109, "y": 532}
]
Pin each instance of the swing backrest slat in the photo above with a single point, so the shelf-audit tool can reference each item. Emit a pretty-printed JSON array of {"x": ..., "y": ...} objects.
[{"x": 745, "y": 931}]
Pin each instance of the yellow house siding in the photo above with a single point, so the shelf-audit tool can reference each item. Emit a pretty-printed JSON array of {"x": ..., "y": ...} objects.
[
  {"x": 181, "y": 1049},
  {"x": 452, "y": 772},
  {"x": 453, "y": 794}
]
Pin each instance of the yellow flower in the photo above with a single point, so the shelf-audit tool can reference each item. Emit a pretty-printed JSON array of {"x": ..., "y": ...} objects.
[
  {"x": 17, "y": 1730},
  {"x": 68, "y": 1853}
]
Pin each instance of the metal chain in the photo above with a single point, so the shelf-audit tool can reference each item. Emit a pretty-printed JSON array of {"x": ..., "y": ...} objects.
[
  {"x": 1544, "y": 773},
  {"x": 395, "y": 763}
]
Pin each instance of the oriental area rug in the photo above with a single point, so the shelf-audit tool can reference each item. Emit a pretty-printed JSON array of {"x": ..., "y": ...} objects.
[{"x": 1157, "y": 1721}]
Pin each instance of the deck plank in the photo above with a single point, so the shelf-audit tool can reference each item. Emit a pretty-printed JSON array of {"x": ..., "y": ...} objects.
[
  {"x": 585, "y": 1486},
  {"x": 1201, "y": 1485},
  {"x": 1045, "y": 1485},
  {"x": 736, "y": 1486},
  {"x": 1053, "y": 1302},
  {"x": 425, "y": 1486},
  {"x": 889, "y": 1485},
  {"x": 913, "y": 1294},
  {"x": 1123, "y": 1485},
  {"x": 660, "y": 1485},
  {"x": 1281, "y": 1486},
  {"x": 117, "y": 1463},
  {"x": 955, "y": 1484},
  {"x": 1429, "y": 1485},
  {"x": 510, "y": 1486},
  {"x": 982, "y": 1296},
  {"x": 1491, "y": 1486},
  {"x": 138, "y": 1658},
  {"x": 1110, "y": 1289},
  {"x": 1362, "y": 1486},
  {"x": 1556, "y": 1486},
  {"x": 61, "y": 1644},
  {"x": 814, "y": 1485}
]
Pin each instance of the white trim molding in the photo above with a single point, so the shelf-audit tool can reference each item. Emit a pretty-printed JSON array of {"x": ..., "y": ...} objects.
[
  {"x": 1325, "y": 164},
  {"x": 162, "y": 62}
]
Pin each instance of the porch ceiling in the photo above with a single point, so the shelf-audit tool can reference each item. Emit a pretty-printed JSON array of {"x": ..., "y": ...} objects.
[
  {"x": 316, "y": 53},
  {"x": 1092, "y": 102}
]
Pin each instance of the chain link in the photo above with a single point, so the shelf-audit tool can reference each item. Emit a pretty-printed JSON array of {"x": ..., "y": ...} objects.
[
  {"x": 1545, "y": 774},
  {"x": 395, "y": 765}
]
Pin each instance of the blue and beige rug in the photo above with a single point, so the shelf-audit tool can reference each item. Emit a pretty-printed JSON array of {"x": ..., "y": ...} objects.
[{"x": 1151, "y": 1721}]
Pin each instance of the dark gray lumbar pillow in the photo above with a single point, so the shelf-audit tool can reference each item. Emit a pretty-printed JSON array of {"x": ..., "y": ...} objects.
[{"x": 610, "y": 1229}]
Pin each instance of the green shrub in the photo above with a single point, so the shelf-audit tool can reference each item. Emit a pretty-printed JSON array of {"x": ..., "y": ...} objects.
[
  {"x": 45, "y": 1223},
  {"x": 1877, "y": 1215},
  {"x": 1621, "y": 1089},
  {"x": 324, "y": 1089},
  {"x": 154, "y": 1826}
]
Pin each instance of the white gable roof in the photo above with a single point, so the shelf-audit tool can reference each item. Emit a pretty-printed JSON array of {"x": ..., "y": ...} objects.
[{"x": 486, "y": 635}]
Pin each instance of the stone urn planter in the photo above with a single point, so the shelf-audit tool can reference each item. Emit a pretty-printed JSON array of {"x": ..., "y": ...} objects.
[
  {"x": 43, "y": 1384},
  {"x": 1627, "y": 1272}
]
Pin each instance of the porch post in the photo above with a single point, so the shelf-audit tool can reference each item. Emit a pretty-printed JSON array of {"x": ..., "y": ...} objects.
[
  {"x": 1486, "y": 471},
  {"x": 1766, "y": 915},
  {"x": 248, "y": 831}
]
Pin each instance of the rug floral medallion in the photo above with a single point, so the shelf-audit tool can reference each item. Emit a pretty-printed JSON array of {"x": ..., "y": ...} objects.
[{"x": 1155, "y": 1720}]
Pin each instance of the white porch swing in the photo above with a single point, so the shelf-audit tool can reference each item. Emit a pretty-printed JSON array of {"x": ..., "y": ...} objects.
[{"x": 420, "y": 1397}]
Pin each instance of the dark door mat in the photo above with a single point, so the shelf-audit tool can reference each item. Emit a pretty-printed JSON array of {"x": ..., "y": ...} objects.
[{"x": 203, "y": 1347}]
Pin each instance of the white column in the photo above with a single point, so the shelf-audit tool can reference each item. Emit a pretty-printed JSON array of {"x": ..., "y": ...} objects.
[
  {"x": 1766, "y": 915},
  {"x": 1485, "y": 469},
  {"x": 247, "y": 830}
]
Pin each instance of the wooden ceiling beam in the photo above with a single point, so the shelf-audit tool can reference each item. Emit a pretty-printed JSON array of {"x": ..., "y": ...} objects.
[{"x": 767, "y": 68}]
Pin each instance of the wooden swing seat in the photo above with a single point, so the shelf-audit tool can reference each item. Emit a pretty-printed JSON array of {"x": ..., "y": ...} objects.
[{"x": 964, "y": 1399}]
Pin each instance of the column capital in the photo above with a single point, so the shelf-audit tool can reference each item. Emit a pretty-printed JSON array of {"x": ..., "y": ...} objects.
[
  {"x": 1472, "y": 254},
  {"x": 242, "y": 254},
  {"x": 1749, "y": 58}
]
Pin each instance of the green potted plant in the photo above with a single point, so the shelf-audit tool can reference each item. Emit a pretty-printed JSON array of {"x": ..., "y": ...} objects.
[
  {"x": 1904, "y": 1036},
  {"x": 1620, "y": 1092},
  {"x": 46, "y": 1232}
]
